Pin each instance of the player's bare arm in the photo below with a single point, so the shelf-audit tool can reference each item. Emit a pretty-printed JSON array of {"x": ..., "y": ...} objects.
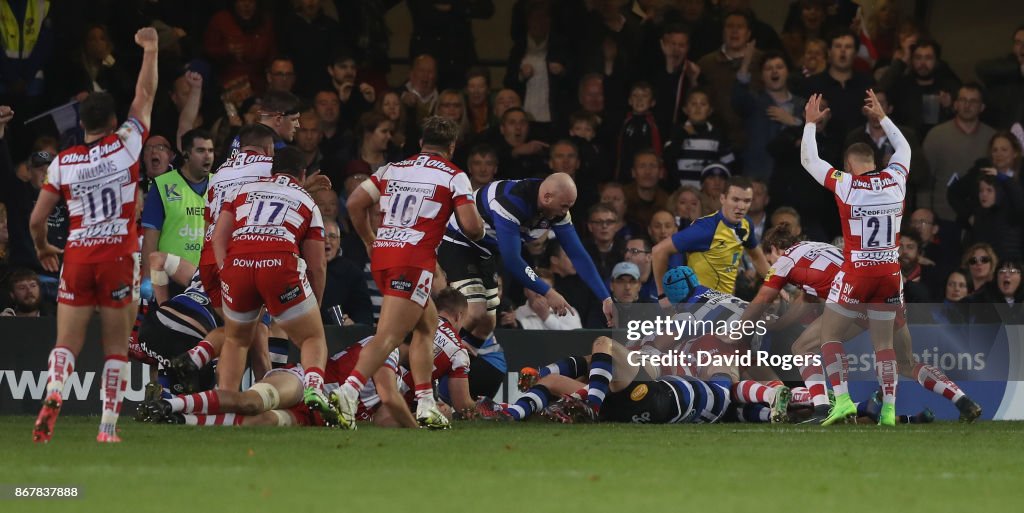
[
  {"x": 470, "y": 222},
  {"x": 316, "y": 266},
  {"x": 660, "y": 254},
  {"x": 145, "y": 86},
  {"x": 222, "y": 236},
  {"x": 386, "y": 382},
  {"x": 359, "y": 203},
  {"x": 809, "y": 148}
]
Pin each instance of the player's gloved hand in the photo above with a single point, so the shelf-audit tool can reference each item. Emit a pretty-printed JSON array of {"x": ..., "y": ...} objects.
[{"x": 557, "y": 302}]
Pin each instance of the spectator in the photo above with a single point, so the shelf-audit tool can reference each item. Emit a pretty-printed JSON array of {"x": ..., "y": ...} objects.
[
  {"x": 705, "y": 36},
  {"x": 26, "y": 296},
  {"x": 663, "y": 226},
  {"x": 789, "y": 216},
  {"x": 604, "y": 247},
  {"x": 696, "y": 143},
  {"x": 882, "y": 29},
  {"x": 173, "y": 214},
  {"x": 157, "y": 154},
  {"x": 420, "y": 91},
  {"x": 638, "y": 252},
  {"x": 482, "y": 165},
  {"x": 921, "y": 96},
  {"x": 612, "y": 42},
  {"x": 538, "y": 67},
  {"x": 626, "y": 283},
  {"x": 281, "y": 74},
  {"x": 1004, "y": 79},
  {"x": 22, "y": 69},
  {"x": 345, "y": 290},
  {"x": 240, "y": 41},
  {"x": 518, "y": 155},
  {"x": 766, "y": 110},
  {"x": 307, "y": 140},
  {"x": 537, "y": 315},
  {"x": 309, "y": 38},
  {"x": 763, "y": 33},
  {"x": 591, "y": 96},
  {"x": 644, "y": 196},
  {"x": 757, "y": 213},
  {"x": 673, "y": 77},
  {"x": 954, "y": 146},
  {"x": 327, "y": 201},
  {"x": 714, "y": 244},
  {"x": 1002, "y": 298},
  {"x": 442, "y": 28},
  {"x": 563, "y": 157},
  {"x": 814, "y": 59},
  {"x": 19, "y": 189},
  {"x": 93, "y": 68},
  {"x": 583, "y": 128},
  {"x": 374, "y": 139},
  {"x": 336, "y": 142},
  {"x": 406, "y": 133},
  {"x": 807, "y": 20},
  {"x": 980, "y": 260},
  {"x": 353, "y": 249},
  {"x": 956, "y": 286},
  {"x": 685, "y": 203},
  {"x": 914, "y": 290},
  {"x": 842, "y": 87},
  {"x": 354, "y": 99},
  {"x": 940, "y": 248},
  {"x": 639, "y": 130},
  {"x": 996, "y": 218},
  {"x": 719, "y": 70},
  {"x": 504, "y": 100},
  {"x": 613, "y": 194},
  {"x": 1003, "y": 162},
  {"x": 5, "y": 241},
  {"x": 712, "y": 185},
  {"x": 452, "y": 105},
  {"x": 478, "y": 101},
  {"x": 572, "y": 287}
]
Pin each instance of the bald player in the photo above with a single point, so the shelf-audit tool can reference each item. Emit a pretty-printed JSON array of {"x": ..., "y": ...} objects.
[{"x": 514, "y": 212}]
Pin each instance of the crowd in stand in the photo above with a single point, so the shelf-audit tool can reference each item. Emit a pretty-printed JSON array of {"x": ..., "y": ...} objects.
[{"x": 650, "y": 105}]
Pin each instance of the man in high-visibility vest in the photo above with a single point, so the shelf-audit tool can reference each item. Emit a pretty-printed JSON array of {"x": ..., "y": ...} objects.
[{"x": 173, "y": 213}]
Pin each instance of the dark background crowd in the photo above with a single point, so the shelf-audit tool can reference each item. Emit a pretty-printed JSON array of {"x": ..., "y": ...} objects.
[{"x": 651, "y": 105}]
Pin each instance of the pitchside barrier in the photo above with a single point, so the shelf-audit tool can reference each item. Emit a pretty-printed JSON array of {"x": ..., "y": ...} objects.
[{"x": 986, "y": 360}]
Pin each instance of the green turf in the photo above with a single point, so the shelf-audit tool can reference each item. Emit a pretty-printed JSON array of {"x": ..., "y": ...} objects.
[{"x": 522, "y": 468}]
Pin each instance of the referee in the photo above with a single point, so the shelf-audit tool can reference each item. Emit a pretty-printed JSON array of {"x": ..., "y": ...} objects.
[{"x": 714, "y": 244}]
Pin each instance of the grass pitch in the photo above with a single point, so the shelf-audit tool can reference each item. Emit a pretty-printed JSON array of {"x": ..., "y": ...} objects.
[{"x": 532, "y": 467}]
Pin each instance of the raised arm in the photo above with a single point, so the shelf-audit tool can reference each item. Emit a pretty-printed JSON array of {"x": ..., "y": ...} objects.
[
  {"x": 809, "y": 148},
  {"x": 900, "y": 146},
  {"x": 190, "y": 112},
  {"x": 145, "y": 86}
]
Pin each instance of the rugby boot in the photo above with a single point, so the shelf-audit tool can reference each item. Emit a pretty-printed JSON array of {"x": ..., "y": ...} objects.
[
  {"x": 43, "y": 430},
  {"x": 780, "y": 405},
  {"x": 841, "y": 410},
  {"x": 345, "y": 404},
  {"x": 430, "y": 417},
  {"x": 186, "y": 373},
  {"x": 969, "y": 410},
  {"x": 315, "y": 400},
  {"x": 887, "y": 416}
]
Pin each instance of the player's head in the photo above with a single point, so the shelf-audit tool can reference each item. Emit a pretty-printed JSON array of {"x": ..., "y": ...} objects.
[
  {"x": 290, "y": 161},
  {"x": 736, "y": 199},
  {"x": 257, "y": 136},
  {"x": 556, "y": 196},
  {"x": 439, "y": 134},
  {"x": 280, "y": 111},
  {"x": 452, "y": 305},
  {"x": 679, "y": 283},
  {"x": 859, "y": 158},
  {"x": 97, "y": 114},
  {"x": 777, "y": 240}
]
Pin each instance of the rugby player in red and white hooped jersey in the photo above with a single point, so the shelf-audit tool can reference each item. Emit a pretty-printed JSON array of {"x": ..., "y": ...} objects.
[
  {"x": 269, "y": 245},
  {"x": 870, "y": 205},
  {"x": 99, "y": 182},
  {"x": 811, "y": 267},
  {"x": 417, "y": 197}
]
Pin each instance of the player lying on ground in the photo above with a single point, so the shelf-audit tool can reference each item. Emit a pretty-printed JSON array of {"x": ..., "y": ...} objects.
[
  {"x": 811, "y": 267},
  {"x": 277, "y": 398}
]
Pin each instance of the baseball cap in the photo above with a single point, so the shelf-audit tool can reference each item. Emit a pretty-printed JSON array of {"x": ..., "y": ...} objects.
[
  {"x": 623, "y": 268},
  {"x": 715, "y": 169},
  {"x": 40, "y": 159}
]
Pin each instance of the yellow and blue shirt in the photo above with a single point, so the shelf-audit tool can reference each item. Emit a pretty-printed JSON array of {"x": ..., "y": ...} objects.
[{"x": 714, "y": 247}]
